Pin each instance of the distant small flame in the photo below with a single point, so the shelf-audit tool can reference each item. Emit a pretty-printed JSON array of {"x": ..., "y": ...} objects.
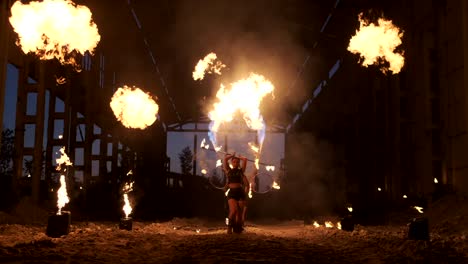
[
  {"x": 54, "y": 29},
  {"x": 270, "y": 168},
  {"x": 316, "y": 224},
  {"x": 435, "y": 180},
  {"x": 198, "y": 230},
  {"x": 404, "y": 196},
  {"x": 276, "y": 185},
  {"x": 62, "y": 195},
  {"x": 226, "y": 193},
  {"x": 134, "y": 108},
  {"x": 127, "y": 208},
  {"x": 60, "y": 136},
  {"x": 227, "y": 221},
  {"x": 219, "y": 163},
  {"x": 130, "y": 172},
  {"x": 203, "y": 171},
  {"x": 328, "y": 224},
  {"x": 350, "y": 209},
  {"x": 338, "y": 225},
  {"x": 377, "y": 42},
  {"x": 250, "y": 190},
  {"x": 379, "y": 189},
  {"x": 209, "y": 64},
  {"x": 60, "y": 80},
  {"x": 257, "y": 161},
  {"x": 420, "y": 209}
]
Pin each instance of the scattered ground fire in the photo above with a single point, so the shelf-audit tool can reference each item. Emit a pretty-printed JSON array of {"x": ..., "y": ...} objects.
[
  {"x": 134, "y": 108},
  {"x": 209, "y": 64},
  {"x": 54, "y": 29},
  {"x": 376, "y": 43}
]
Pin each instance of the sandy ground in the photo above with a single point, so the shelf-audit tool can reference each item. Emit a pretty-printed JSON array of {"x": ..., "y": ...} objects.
[{"x": 198, "y": 241}]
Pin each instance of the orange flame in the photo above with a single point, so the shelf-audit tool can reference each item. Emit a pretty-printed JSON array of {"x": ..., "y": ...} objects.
[
  {"x": 338, "y": 225},
  {"x": 250, "y": 190},
  {"x": 54, "y": 28},
  {"x": 376, "y": 43},
  {"x": 276, "y": 185},
  {"x": 316, "y": 224},
  {"x": 127, "y": 207},
  {"x": 203, "y": 171},
  {"x": 207, "y": 65},
  {"x": 62, "y": 195},
  {"x": 219, "y": 163},
  {"x": 134, "y": 108},
  {"x": 270, "y": 168},
  {"x": 328, "y": 224}
]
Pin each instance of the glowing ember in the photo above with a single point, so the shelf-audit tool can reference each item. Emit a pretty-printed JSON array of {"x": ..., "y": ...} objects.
[
  {"x": 128, "y": 187},
  {"x": 435, "y": 180},
  {"x": 54, "y": 29},
  {"x": 219, "y": 163},
  {"x": 244, "y": 97},
  {"x": 134, "y": 108},
  {"x": 328, "y": 224},
  {"x": 377, "y": 43},
  {"x": 209, "y": 64},
  {"x": 62, "y": 195},
  {"x": 316, "y": 224},
  {"x": 350, "y": 209},
  {"x": 127, "y": 208},
  {"x": 338, "y": 225},
  {"x": 250, "y": 190},
  {"x": 203, "y": 171},
  {"x": 404, "y": 196},
  {"x": 270, "y": 168},
  {"x": 420, "y": 209},
  {"x": 379, "y": 189},
  {"x": 275, "y": 185}
]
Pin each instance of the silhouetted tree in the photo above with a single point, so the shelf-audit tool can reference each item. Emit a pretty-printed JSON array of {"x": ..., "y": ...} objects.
[
  {"x": 186, "y": 159},
  {"x": 7, "y": 151}
]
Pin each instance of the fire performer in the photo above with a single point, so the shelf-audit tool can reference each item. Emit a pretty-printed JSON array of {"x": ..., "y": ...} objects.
[{"x": 236, "y": 188}]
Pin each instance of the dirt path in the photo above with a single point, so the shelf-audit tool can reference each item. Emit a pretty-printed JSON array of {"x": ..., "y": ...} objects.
[{"x": 195, "y": 241}]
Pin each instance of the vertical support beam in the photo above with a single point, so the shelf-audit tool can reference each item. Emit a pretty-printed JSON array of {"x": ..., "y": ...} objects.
[
  {"x": 38, "y": 135},
  {"x": 194, "y": 154},
  {"x": 4, "y": 36},
  {"x": 50, "y": 134},
  {"x": 20, "y": 118}
]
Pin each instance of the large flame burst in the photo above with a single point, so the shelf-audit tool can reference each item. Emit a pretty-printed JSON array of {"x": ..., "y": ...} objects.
[
  {"x": 54, "y": 28},
  {"x": 134, "y": 108},
  {"x": 377, "y": 43},
  {"x": 209, "y": 64},
  {"x": 244, "y": 97},
  {"x": 62, "y": 195}
]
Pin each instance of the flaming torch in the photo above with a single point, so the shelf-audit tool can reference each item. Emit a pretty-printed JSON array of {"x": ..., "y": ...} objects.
[
  {"x": 419, "y": 226},
  {"x": 59, "y": 223},
  {"x": 126, "y": 222},
  {"x": 134, "y": 108},
  {"x": 376, "y": 43},
  {"x": 54, "y": 29}
]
